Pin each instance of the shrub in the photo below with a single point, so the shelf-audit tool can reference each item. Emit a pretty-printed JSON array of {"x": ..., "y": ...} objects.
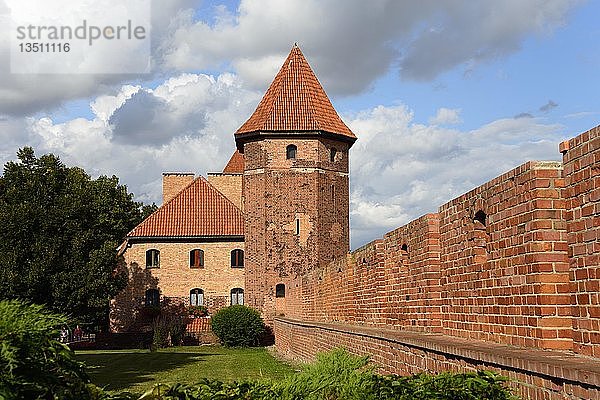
[
  {"x": 335, "y": 375},
  {"x": 480, "y": 385},
  {"x": 33, "y": 363},
  {"x": 168, "y": 327},
  {"x": 238, "y": 326},
  {"x": 338, "y": 375}
]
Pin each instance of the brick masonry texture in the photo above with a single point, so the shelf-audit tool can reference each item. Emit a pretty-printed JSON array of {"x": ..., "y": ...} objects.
[
  {"x": 173, "y": 182},
  {"x": 229, "y": 185},
  {"x": 511, "y": 263},
  {"x": 175, "y": 278},
  {"x": 281, "y": 195},
  {"x": 534, "y": 374},
  {"x": 581, "y": 157}
]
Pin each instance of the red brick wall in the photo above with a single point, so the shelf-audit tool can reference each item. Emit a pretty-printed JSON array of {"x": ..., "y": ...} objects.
[
  {"x": 278, "y": 191},
  {"x": 581, "y": 157},
  {"x": 508, "y": 281},
  {"x": 378, "y": 284},
  {"x": 534, "y": 375},
  {"x": 525, "y": 275}
]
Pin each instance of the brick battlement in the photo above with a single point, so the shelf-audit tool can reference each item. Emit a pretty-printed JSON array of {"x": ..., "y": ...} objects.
[{"x": 514, "y": 262}]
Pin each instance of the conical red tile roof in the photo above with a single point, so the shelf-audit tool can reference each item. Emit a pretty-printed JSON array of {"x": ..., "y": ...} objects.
[
  {"x": 235, "y": 164},
  {"x": 198, "y": 210},
  {"x": 295, "y": 101}
]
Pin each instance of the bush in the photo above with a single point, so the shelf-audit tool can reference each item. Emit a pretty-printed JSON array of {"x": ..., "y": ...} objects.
[
  {"x": 33, "y": 363},
  {"x": 338, "y": 375},
  {"x": 238, "y": 326},
  {"x": 335, "y": 375},
  {"x": 168, "y": 327}
]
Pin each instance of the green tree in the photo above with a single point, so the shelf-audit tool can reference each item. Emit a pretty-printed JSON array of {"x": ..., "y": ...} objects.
[{"x": 59, "y": 230}]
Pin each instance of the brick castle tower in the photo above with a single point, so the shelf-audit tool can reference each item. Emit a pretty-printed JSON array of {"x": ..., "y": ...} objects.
[{"x": 296, "y": 197}]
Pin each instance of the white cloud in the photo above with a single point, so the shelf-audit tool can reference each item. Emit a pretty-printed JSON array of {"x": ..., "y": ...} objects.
[
  {"x": 188, "y": 125},
  {"x": 401, "y": 170},
  {"x": 446, "y": 116},
  {"x": 25, "y": 94},
  {"x": 352, "y": 42}
]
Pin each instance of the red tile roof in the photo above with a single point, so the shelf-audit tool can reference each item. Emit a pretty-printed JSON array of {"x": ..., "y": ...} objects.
[
  {"x": 295, "y": 101},
  {"x": 235, "y": 164},
  {"x": 198, "y": 210}
]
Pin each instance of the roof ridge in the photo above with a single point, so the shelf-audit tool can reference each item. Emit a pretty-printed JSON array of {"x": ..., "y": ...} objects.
[{"x": 197, "y": 198}]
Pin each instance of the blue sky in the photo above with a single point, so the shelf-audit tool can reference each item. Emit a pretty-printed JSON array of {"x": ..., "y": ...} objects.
[{"x": 443, "y": 95}]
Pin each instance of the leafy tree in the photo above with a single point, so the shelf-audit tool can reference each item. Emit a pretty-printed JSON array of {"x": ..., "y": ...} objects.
[{"x": 59, "y": 230}]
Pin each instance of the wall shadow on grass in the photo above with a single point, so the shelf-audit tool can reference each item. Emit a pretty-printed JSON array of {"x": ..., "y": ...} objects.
[{"x": 120, "y": 370}]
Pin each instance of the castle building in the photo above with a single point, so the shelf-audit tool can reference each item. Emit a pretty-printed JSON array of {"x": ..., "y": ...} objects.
[{"x": 279, "y": 208}]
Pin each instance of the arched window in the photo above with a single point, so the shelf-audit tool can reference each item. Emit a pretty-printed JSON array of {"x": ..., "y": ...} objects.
[
  {"x": 152, "y": 298},
  {"x": 237, "y": 258},
  {"x": 290, "y": 152},
  {"x": 332, "y": 154},
  {"x": 196, "y": 297},
  {"x": 152, "y": 258},
  {"x": 237, "y": 296},
  {"x": 197, "y": 258},
  {"x": 280, "y": 290}
]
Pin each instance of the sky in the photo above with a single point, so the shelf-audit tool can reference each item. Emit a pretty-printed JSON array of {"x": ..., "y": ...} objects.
[{"x": 442, "y": 95}]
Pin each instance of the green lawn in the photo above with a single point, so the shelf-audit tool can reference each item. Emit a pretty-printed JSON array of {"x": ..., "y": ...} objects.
[{"x": 138, "y": 370}]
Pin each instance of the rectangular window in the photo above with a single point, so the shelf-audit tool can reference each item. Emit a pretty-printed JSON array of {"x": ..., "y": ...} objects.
[{"x": 297, "y": 226}]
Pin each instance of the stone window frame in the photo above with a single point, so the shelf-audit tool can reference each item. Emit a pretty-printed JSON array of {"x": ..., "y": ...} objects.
[
  {"x": 152, "y": 297},
  {"x": 239, "y": 296},
  {"x": 199, "y": 294},
  {"x": 193, "y": 258},
  {"x": 291, "y": 152},
  {"x": 237, "y": 258},
  {"x": 153, "y": 258},
  {"x": 280, "y": 290}
]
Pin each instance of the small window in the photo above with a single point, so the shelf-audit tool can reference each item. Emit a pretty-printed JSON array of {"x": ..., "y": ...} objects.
[
  {"x": 197, "y": 258},
  {"x": 280, "y": 290},
  {"x": 237, "y": 296},
  {"x": 237, "y": 258},
  {"x": 404, "y": 253},
  {"x": 332, "y": 154},
  {"x": 290, "y": 152},
  {"x": 152, "y": 258},
  {"x": 152, "y": 298},
  {"x": 480, "y": 219},
  {"x": 196, "y": 297},
  {"x": 297, "y": 226}
]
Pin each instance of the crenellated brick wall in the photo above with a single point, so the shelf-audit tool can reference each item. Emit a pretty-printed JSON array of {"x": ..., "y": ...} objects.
[
  {"x": 513, "y": 262},
  {"x": 581, "y": 158},
  {"x": 506, "y": 279}
]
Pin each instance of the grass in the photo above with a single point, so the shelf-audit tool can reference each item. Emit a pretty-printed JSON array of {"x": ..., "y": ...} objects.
[{"x": 138, "y": 370}]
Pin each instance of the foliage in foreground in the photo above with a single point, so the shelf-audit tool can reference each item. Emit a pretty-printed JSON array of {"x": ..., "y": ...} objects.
[
  {"x": 58, "y": 232},
  {"x": 238, "y": 326},
  {"x": 33, "y": 364},
  {"x": 337, "y": 375}
]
